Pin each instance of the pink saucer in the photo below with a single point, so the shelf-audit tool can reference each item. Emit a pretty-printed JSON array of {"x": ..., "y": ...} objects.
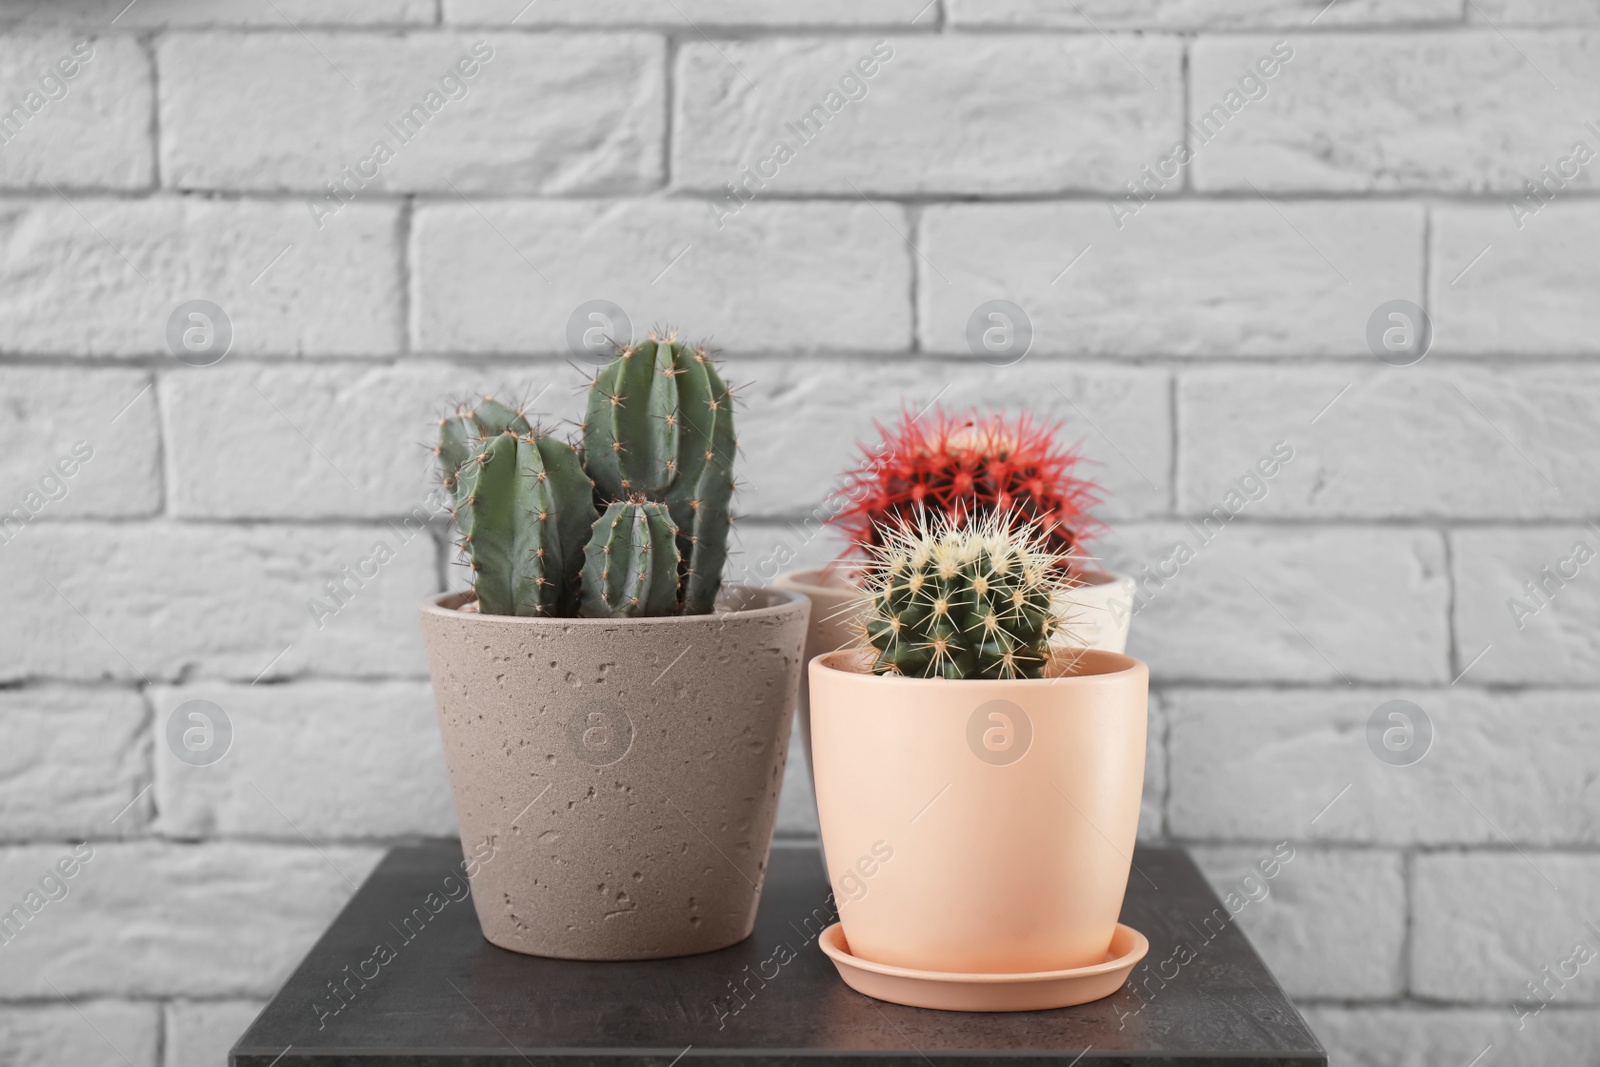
[{"x": 988, "y": 992}]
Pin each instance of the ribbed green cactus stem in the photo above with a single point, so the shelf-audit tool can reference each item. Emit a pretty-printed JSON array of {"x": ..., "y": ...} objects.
[
  {"x": 462, "y": 430},
  {"x": 631, "y": 428},
  {"x": 660, "y": 425},
  {"x": 701, "y": 496},
  {"x": 962, "y": 599},
  {"x": 524, "y": 508},
  {"x": 630, "y": 566}
]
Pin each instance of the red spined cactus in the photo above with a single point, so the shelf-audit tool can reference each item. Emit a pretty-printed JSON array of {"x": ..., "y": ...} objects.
[{"x": 969, "y": 466}]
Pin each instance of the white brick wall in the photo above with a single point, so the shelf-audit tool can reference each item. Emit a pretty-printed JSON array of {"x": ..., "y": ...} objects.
[
  {"x": 1183, "y": 325},
  {"x": 526, "y": 114},
  {"x": 1231, "y": 277}
]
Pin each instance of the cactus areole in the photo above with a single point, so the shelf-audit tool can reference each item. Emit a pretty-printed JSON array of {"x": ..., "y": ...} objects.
[{"x": 635, "y": 524}]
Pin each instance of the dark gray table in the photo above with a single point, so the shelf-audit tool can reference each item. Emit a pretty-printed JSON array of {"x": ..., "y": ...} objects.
[{"x": 448, "y": 998}]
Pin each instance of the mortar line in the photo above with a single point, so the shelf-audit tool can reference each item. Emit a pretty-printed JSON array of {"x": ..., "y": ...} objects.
[
  {"x": 786, "y": 520},
  {"x": 1427, "y": 261},
  {"x": 689, "y": 194},
  {"x": 737, "y": 31},
  {"x": 669, "y": 76},
  {"x": 914, "y": 225},
  {"x": 1185, "y": 101},
  {"x": 152, "y": 716},
  {"x": 1175, "y": 420},
  {"x": 166, "y": 480},
  {"x": 1452, "y": 639},
  {"x": 1100, "y": 361},
  {"x": 149, "y": 45},
  {"x": 409, "y": 309},
  {"x": 161, "y": 1034},
  {"x": 1408, "y": 884}
]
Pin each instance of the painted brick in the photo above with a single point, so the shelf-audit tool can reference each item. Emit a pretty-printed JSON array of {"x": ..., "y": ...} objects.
[
  {"x": 159, "y": 14},
  {"x": 1485, "y": 925},
  {"x": 87, "y": 128},
  {"x": 299, "y": 441},
  {"x": 803, "y": 422},
  {"x": 1394, "y": 442},
  {"x": 1332, "y": 923},
  {"x": 1196, "y": 14},
  {"x": 213, "y": 920},
  {"x": 539, "y": 114},
  {"x": 1459, "y": 112},
  {"x": 1495, "y": 288},
  {"x": 1532, "y": 12},
  {"x": 1298, "y": 765},
  {"x": 108, "y": 415},
  {"x": 208, "y": 600},
  {"x": 687, "y": 15},
  {"x": 71, "y": 762},
  {"x": 1110, "y": 106},
  {"x": 1178, "y": 279},
  {"x": 1421, "y": 1036},
  {"x": 102, "y": 277},
  {"x": 1544, "y": 637},
  {"x": 108, "y": 1033},
  {"x": 327, "y": 759},
  {"x": 200, "y": 1033},
  {"x": 507, "y": 277},
  {"x": 1327, "y": 605}
]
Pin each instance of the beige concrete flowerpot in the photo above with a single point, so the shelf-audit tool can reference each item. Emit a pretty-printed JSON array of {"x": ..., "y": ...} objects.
[{"x": 625, "y": 771}]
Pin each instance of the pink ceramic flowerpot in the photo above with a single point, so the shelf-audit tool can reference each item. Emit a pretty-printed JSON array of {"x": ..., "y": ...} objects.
[
  {"x": 979, "y": 826},
  {"x": 1099, "y": 612}
]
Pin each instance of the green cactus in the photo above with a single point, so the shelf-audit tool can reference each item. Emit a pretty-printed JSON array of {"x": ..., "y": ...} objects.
[
  {"x": 660, "y": 426},
  {"x": 962, "y": 599},
  {"x": 630, "y": 567},
  {"x": 460, "y": 432},
  {"x": 658, "y": 457},
  {"x": 524, "y": 508}
]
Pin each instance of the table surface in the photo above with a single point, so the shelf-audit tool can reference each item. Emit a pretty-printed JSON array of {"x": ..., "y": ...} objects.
[{"x": 447, "y": 998}]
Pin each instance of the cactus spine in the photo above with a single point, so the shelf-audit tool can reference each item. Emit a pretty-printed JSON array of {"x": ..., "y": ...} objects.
[
  {"x": 631, "y": 564},
  {"x": 970, "y": 465},
  {"x": 460, "y": 432},
  {"x": 660, "y": 426},
  {"x": 658, "y": 458},
  {"x": 524, "y": 508},
  {"x": 962, "y": 599}
]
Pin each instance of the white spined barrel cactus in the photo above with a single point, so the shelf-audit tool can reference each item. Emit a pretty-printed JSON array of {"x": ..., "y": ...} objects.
[{"x": 973, "y": 598}]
